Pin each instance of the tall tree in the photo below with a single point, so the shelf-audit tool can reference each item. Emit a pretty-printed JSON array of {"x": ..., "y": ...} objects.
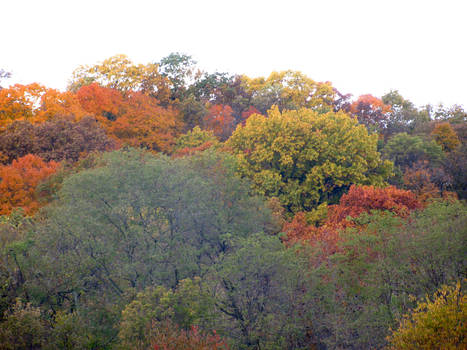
[{"x": 305, "y": 158}]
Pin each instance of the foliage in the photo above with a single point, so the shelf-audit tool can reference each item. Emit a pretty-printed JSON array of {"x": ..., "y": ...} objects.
[
  {"x": 369, "y": 281},
  {"x": 456, "y": 167},
  {"x": 446, "y": 137},
  {"x": 58, "y": 139},
  {"x": 194, "y": 140},
  {"x": 289, "y": 90},
  {"x": 120, "y": 73},
  {"x": 169, "y": 337},
  {"x": 144, "y": 123},
  {"x": 305, "y": 158},
  {"x": 371, "y": 112},
  {"x": 440, "y": 323},
  {"x": 23, "y": 328},
  {"x": 137, "y": 220},
  {"x": 260, "y": 294},
  {"x": 19, "y": 180},
  {"x": 35, "y": 103},
  {"x": 220, "y": 120},
  {"x": 405, "y": 150},
  {"x": 186, "y": 307}
]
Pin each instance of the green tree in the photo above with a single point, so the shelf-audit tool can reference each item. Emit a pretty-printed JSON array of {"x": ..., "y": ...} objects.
[
  {"x": 405, "y": 150},
  {"x": 305, "y": 158},
  {"x": 260, "y": 294}
]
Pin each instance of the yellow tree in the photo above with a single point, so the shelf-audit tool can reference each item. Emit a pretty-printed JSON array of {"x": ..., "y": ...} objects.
[
  {"x": 305, "y": 158},
  {"x": 440, "y": 323},
  {"x": 446, "y": 137},
  {"x": 289, "y": 90},
  {"x": 120, "y": 73}
]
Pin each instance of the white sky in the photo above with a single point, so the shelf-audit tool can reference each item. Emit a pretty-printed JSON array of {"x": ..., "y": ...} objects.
[{"x": 373, "y": 46}]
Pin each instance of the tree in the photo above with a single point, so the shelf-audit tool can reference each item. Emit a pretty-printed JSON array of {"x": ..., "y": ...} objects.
[
  {"x": 193, "y": 141},
  {"x": 440, "y": 323},
  {"x": 61, "y": 138},
  {"x": 405, "y": 150},
  {"x": 19, "y": 180},
  {"x": 23, "y": 328},
  {"x": 371, "y": 112},
  {"x": 305, "y": 158},
  {"x": 289, "y": 90},
  {"x": 36, "y": 104},
  {"x": 260, "y": 293},
  {"x": 100, "y": 101},
  {"x": 144, "y": 123},
  {"x": 445, "y": 136},
  {"x": 220, "y": 120},
  {"x": 137, "y": 220},
  {"x": 179, "y": 69}
]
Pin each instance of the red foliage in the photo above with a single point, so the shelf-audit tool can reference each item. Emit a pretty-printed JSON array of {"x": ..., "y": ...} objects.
[
  {"x": 359, "y": 199},
  {"x": 220, "y": 120},
  {"x": 19, "y": 180},
  {"x": 170, "y": 337},
  {"x": 188, "y": 151},
  {"x": 246, "y": 114}
]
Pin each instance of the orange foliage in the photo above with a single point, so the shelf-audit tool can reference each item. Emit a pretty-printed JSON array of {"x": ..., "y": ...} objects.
[
  {"x": 170, "y": 337},
  {"x": 19, "y": 180},
  {"x": 359, "y": 199},
  {"x": 446, "y": 137},
  {"x": 144, "y": 123},
  {"x": 220, "y": 120},
  {"x": 36, "y": 103},
  {"x": 100, "y": 101},
  {"x": 188, "y": 151},
  {"x": 370, "y": 111},
  {"x": 362, "y": 199}
]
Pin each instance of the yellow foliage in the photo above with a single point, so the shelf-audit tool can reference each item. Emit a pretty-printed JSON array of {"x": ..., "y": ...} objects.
[{"x": 440, "y": 323}]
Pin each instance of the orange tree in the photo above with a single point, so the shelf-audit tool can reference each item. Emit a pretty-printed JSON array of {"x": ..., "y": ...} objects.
[{"x": 18, "y": 183}]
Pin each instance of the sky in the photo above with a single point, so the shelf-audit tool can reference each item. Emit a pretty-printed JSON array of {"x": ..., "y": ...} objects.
[{"x": 361, "y": 46}]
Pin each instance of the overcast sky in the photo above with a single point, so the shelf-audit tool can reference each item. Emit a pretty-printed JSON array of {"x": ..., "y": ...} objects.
[{"x": 416, "y": 47}]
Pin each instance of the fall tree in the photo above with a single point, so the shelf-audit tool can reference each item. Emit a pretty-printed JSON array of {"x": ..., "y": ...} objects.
[
  {"x": 358, "y": 200},
  {"x": 144, "y": 123},
  {"x": 61, "y": 138},
  {"x": 194, "y": 141},
  {"x": 305, "y": 158},
  {"x": 445, "y": 136},
  {"x": 220, "y": 120},
  {"x": 19, "y": 180},
  {"x": 439, "y": 322},
  {"x": 102, "y": 102},
  {"x": 120, "y": 73},
  {"x": 371, "y": 112},
  {"x": 36, "y": 103}
]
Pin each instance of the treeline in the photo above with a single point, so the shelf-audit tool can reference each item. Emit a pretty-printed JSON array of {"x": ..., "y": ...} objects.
[{"x": 158, "y": 206}]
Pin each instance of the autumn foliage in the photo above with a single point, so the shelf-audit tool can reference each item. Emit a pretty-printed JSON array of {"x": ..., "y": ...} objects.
[
  {"x": 220, "y": 120},
  {"x": 19, "y": 180},
  {"x": 358, "y": 200},
  {"x": 371, "y": 111},
  {"x": 171, "y": 337}
]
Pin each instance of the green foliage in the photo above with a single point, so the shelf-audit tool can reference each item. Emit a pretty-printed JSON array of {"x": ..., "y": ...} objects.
[
  {"x": 405, "y": 150},
  {"x": 260, "y": 296},
  {"x": 305, "y": 158},
  {"x": 376, "y": 271},
  {"x": 187, "y": 306},
  {"x": 23, "y": 328},
  {"x": 194, "y": 138},
  {"x": 138, "y": 220}
]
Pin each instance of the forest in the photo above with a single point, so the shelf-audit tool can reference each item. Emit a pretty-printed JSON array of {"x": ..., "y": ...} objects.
[{"x": 159, "y": 206}]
